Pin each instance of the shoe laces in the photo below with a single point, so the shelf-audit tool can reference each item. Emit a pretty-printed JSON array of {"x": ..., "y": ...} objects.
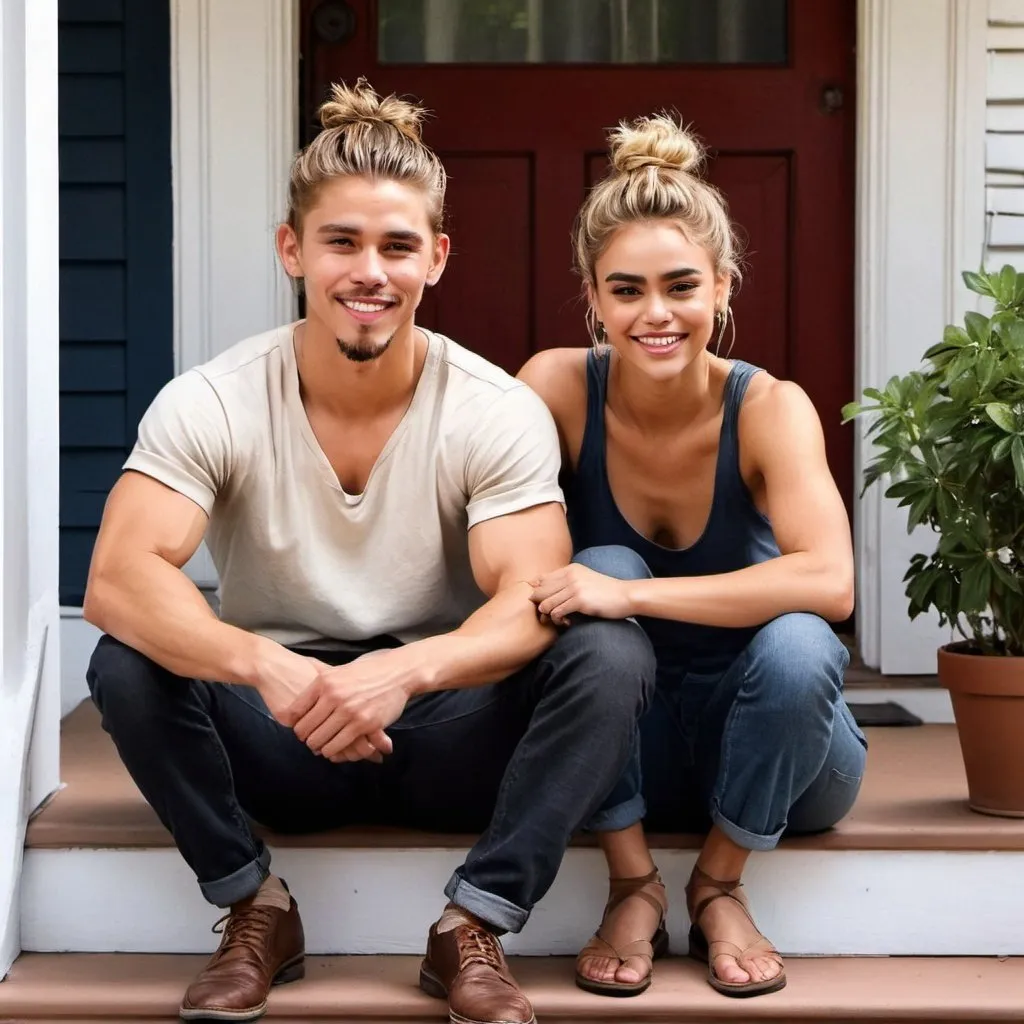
[
  {"x": 477, "y": 945},
  {"x": 245, "y": 929}
]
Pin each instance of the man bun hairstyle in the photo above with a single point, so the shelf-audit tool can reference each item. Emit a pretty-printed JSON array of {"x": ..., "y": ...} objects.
[{"x": 366, "y": 135}]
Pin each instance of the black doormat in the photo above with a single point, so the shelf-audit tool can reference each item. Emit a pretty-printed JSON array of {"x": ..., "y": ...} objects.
[{"x": 884, "y": 713}]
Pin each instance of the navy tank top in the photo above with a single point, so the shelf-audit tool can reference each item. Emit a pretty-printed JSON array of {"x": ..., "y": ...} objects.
[{"x": 736, "y": 534}]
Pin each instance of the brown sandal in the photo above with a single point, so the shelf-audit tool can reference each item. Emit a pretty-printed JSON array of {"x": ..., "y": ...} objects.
[
  {"x": 651, "y": 889},
  {"x": 700, "y": 950}
]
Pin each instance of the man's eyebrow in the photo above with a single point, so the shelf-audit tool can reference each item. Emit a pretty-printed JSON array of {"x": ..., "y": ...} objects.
[
  {"x": 672, "y": 275},
  {"x": 405, "y": 236},
  {"x": 337, "y": 229},
  {"x": 395, "y": 236}
]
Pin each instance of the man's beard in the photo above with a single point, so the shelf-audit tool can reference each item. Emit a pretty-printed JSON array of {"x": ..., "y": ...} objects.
[{"x": 358, "y": 354}]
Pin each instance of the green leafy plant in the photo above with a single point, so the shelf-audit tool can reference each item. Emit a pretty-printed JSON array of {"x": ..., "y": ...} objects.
[{"x": 950, "y": 441}]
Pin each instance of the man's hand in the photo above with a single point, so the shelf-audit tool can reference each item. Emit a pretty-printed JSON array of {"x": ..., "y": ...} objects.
[
  {"x": 576, "y": 588},
  {"x": 343, "y": 715}
]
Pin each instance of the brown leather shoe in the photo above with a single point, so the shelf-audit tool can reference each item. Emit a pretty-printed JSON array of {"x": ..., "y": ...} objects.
[
  {"x": 466, "y": 965},
  {"x": 262, "y": 946}
]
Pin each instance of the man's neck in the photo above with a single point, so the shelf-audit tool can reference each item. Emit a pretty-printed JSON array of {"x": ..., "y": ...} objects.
[{"x": 353, "y": 390}]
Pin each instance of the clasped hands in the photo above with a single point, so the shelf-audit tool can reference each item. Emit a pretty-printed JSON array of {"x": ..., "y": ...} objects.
[{"x": 339, "y": 712}]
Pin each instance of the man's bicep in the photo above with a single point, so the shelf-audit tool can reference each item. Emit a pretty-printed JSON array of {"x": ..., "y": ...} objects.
[
  {"x": 143, "y": 516},
  {"x": 520, "y": 546}
]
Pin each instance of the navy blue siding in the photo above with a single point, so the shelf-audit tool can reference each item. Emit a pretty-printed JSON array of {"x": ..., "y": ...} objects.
[{"x": 115, "y": 249}]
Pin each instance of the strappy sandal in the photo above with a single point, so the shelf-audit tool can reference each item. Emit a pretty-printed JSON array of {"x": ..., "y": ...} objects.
[
  {"x": 650, "y": 889},
  {"x": 700, "y": 950}
]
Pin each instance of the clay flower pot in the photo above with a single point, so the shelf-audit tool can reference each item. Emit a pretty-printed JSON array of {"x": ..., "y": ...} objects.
[{"x": 988, "y": 702}]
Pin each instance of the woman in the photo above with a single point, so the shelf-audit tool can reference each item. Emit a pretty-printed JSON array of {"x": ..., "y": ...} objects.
[{"x": 701, "y": 503}]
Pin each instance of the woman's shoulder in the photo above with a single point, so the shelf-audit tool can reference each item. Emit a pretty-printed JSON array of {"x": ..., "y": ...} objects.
[{"x": 559, "y": 376}]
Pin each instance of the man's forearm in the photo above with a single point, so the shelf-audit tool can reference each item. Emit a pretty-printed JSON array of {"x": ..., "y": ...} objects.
[
  {"x": 155, "y": 608},
  {"x": 498, "y": 639}
]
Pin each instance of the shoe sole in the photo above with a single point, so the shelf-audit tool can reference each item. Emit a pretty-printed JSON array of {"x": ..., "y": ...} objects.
[
  {"x": 433, "y": 986},
  {"x": 292, "y": 970}
]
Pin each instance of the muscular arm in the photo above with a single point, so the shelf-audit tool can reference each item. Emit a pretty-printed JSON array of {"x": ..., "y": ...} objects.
[
  {"x": 814, "y": 573},
  {"x": 505, "y": 633},
  {"x": 137, "y": 593},
  {"x": 780, "y": 431}
]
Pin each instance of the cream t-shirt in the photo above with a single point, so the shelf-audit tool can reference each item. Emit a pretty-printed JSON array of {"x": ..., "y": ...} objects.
[{"x": 300, "y": 560}]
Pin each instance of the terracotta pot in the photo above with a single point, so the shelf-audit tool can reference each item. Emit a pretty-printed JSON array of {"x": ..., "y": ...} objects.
[{"x": 988, "y": 703}]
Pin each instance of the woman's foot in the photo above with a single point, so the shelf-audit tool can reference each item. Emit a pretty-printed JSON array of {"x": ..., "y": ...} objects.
[
  {"x": 619, "y": 957},
  {"x": 739, "y": 956}
]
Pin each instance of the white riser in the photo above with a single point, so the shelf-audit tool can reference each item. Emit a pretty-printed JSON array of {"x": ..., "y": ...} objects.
[{"x": 383, "y": 901}]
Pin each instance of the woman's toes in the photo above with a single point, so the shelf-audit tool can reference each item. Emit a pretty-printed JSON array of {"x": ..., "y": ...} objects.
[
  {"x": 598, "y": 968},
  {"x": 729, "y": 970},
  {"x": 632, "y": 971}
]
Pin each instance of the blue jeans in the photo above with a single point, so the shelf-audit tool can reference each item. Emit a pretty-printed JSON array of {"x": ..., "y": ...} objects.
[
  {"x": 526, "y": 761},
  {"x": 765, "y": 747}
]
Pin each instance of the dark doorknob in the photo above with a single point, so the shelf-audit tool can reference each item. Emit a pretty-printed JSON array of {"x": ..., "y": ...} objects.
[
  {"x": 334, "y": 22},
  {"x": 831, "y": 99}
]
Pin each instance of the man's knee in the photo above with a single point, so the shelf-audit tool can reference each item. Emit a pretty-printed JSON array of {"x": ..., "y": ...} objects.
[
  {"x": 121, "y": 679},
  {"x": 613, "y": 660},
  {"x": 799, "y": 661},
  {"x": 615, "y": 560}
]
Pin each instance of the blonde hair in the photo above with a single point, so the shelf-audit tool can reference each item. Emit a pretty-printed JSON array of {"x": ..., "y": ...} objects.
[
  {"x": 367, "y": 136},
  {"x": 655, "y": 175}
]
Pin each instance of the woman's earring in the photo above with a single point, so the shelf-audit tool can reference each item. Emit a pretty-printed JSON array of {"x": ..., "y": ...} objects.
[
  {"x": 722, "y": 317},
  {"x": 598, "y": 335}
]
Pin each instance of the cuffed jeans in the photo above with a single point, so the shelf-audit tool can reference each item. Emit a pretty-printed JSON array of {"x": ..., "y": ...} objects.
[
  {"x": 526, "y": 761},
  {"x": 765, "y": 747}
]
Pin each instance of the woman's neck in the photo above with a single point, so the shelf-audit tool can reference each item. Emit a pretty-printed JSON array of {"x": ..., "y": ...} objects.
[{"x": 659, "y": 406}]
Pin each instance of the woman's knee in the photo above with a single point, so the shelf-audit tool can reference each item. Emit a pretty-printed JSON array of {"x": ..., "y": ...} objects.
[
  {"x": 799, "y": 657},
  {"x": 615, "y": 560}
]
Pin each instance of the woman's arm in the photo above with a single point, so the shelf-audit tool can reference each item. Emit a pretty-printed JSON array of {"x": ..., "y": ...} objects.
[{"x": 784, "y": 448}]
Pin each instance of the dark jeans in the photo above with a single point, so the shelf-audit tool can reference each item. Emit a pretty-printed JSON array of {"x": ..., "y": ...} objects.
[
  {"x": 526, "y": 761},
  {"x": 763, "y": 747}
]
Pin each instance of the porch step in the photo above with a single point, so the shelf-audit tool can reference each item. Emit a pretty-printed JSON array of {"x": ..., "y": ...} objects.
[
  {"x": 911, "y": 872},
  {"x": 122, "y": 987}
]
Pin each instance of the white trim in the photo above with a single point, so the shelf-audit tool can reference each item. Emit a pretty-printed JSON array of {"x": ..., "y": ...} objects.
[
  {"x": 879, "y": 902},
  {"x": 920, "y": 221},
  {"x": 235, "y": 123},
  {"x": 29, "y": 332}
]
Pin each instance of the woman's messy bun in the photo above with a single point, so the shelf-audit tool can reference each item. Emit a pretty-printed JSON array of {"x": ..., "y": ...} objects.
[
  {"x": 351, "y": 105},
  {"x": 655, "y": 175},
  {"x": 370, "y": 136},
  {"x": 655, "y": 141}
]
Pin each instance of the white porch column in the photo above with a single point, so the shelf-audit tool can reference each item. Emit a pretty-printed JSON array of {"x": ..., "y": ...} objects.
[
  {"x": 920, "y": 221},
  {"x": 234, "y": 96},
  {"x": 29, "y": 396}
]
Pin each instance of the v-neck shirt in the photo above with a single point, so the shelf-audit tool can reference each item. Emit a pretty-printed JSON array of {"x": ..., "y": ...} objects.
[{"x": 305, "y": 563}]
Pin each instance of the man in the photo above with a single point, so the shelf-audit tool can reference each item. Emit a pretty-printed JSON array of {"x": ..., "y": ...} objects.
[{"x": 376, "y": 499}]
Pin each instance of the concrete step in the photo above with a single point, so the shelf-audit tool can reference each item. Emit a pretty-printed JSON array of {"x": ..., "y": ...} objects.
[
  {"x": 81, "y": 987},
  {"x": 911, "y": 872}
]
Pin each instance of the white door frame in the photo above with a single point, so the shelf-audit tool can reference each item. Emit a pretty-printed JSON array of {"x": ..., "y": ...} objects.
[
  {"x": 29, "y": 448},
  {"x": 920, "y": 222},
  {"x": 920, "y": 217}
]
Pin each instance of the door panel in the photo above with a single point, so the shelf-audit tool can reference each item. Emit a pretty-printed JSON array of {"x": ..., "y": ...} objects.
[
  {"x": 484, "y": 293},
  {"x": 524, "y": 140}
]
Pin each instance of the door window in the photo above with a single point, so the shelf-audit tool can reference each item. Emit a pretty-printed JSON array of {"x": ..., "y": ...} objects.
[{"x": 582, "y": 31}]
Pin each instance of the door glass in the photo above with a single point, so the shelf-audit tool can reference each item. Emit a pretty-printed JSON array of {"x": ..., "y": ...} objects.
[{"x": 582, "y": 31}]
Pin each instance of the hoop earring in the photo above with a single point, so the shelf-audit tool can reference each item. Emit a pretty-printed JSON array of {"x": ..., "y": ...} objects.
[
  {"x": 598, "y": 335},
  {"x": 722, "y": 317}
]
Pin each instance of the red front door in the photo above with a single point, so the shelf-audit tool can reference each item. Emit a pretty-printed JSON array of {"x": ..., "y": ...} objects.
[{"x": 522, "y": 141}]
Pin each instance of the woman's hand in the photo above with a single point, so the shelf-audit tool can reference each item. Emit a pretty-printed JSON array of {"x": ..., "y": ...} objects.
[{"x": 579, "y": 589}]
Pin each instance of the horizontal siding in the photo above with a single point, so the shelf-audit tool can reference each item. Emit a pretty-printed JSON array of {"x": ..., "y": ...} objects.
[
  {"x": 1004, "y": 140},
  {"x": 114, "y": 125}
]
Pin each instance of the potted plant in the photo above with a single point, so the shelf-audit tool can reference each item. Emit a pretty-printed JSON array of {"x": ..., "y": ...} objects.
[{"x": 950, "y": 440}]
